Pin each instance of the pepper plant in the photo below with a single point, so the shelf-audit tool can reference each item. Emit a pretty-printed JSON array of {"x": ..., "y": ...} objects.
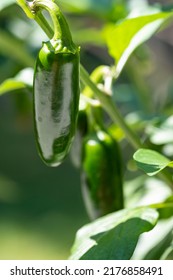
[{"x": 95, "y": 130}]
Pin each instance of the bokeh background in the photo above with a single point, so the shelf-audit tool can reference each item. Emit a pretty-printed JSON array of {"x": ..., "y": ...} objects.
[{"x": 41, "y": 208}]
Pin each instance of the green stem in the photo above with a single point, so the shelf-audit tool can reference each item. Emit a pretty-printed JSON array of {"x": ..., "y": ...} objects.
[
  {"x": 54, "y": 12},
  {"x": 25, "y": 5},
  {"x": 43, "y": 23},
  {"x": 159, "y": 205},
  {"x": 110, "y": 108}
]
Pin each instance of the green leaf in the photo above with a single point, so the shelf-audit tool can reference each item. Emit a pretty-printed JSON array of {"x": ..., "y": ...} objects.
[
  {"x": 151, "y": 162},
  {"x": 10, "y": 85},
  {"x": 124, "y": 37},
  {"x": 113, "y": 236},
  {"x": 22, "y": 80}
]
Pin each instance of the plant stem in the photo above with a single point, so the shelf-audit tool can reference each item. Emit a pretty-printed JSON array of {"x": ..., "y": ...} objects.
[
  {"x": 110, "y": 108},
  {"x": 43, "y": 23}
]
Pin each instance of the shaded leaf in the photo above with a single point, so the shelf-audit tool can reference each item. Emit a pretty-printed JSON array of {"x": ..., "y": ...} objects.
[
  {"x": 151, "y": 162},
  {"x": 113, "y": 236}
]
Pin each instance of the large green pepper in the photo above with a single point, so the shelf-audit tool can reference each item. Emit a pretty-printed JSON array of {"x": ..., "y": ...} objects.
[
  {"x": 101, "y": 174},
  {"x": 56, "y": 92}
]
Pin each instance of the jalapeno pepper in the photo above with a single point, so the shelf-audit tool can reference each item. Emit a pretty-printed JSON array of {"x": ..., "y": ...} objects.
[
  {"x": 101, "y": 174},
  {"x": 56, "y": 91}
]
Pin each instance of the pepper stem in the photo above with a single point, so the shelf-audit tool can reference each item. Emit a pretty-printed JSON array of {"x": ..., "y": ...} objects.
[{"x": 62, "y": 39}]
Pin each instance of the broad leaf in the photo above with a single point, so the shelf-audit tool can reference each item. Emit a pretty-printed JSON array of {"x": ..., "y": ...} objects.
[
  {"x": 113, "y": 236},
  {"x": 22, "y": 80},
  {"x": 124, "y": 37},
  {"x": 151, "y": 162}
]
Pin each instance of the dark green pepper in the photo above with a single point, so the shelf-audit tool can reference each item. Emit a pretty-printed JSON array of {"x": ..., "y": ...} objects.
[
  {"x": 56, "y": 98},
  {"x": 101, "y": 174},
  {"x": 56, "y": 90}
]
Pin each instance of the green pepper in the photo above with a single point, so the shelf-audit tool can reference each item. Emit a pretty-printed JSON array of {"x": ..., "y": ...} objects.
[
  {"x": 101, "y": 174},
  {"x": 56, "y": 92}
]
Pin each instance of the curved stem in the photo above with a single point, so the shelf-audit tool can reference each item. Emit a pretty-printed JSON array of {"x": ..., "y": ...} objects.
[
  {"x": 61, "y": 38},
  {"x": 54, "y": 12}
]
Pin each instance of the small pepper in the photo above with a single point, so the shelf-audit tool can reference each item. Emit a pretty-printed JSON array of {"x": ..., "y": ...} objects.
[{"x": 101, "y": 174}]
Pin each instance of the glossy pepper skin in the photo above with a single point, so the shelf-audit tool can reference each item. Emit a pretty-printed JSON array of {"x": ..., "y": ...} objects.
[
  {"x": 101, "y": 174},
  {"x": 56, "y": 99}
]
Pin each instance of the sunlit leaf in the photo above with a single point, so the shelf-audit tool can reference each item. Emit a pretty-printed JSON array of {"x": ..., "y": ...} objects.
[
  {"x": 151, "y": 162},
  {"x": 113, "y": 236},
  {"x": 22, "y": 80},
  {"x": 124, "y": 37}
]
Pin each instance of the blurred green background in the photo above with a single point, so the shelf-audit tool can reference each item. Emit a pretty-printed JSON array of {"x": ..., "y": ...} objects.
[{"x": 41, "y": 208}]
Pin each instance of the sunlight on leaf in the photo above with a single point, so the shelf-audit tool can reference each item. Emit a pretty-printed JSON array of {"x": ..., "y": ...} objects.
[
  {"x": 113, "y": 236},
  {"x": 22, "y": 80},
  {"x": 151, "y": 162},
  {"x": 124, "y": 37}
]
